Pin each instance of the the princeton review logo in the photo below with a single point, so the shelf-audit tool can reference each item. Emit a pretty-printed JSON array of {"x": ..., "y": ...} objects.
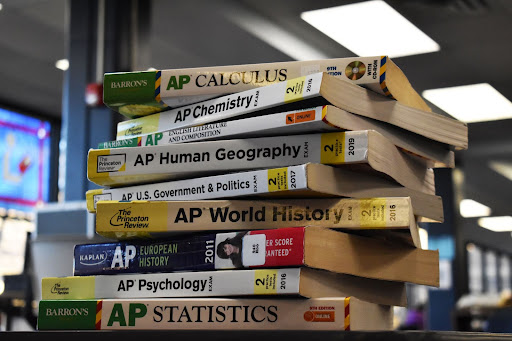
[
  {"x": 59, "y": 290},
  {"x": 111, "y": 163}
]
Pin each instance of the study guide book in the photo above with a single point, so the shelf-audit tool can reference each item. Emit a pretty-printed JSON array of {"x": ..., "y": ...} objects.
[
  {"x": 350, "y": 253},
  {"x": 122, "y": 219},
  {"x": 333, "y": 313},
  {"x": 319, "y": 119},
  {"x": 299, "y": 282},
  {"x": 193, "y": 252},
  {"x": 309, "y": 180},
  {"x": 366, "y": 149},
  {"x": 301, "y": 93},
  {"x": 135, "y": 94}
]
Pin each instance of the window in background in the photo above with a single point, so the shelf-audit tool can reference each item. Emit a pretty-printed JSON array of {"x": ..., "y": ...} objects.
[
  {"x": 475, "y": 271},
  {"x": 24, "y": 161},
  {"x": 504, "y": 273},
  {"x": 491, "y": 272}
]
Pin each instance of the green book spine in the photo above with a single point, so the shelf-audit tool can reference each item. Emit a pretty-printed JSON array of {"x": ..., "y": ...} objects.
[
  {"x": 61, "y": 314},
  {"x": 133, "y": 94}
]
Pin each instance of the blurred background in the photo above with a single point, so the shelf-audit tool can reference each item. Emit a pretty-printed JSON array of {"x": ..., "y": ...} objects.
[{"x": 53, "y": 56}]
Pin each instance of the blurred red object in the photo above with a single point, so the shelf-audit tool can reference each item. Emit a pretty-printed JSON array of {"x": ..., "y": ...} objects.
[{"x": 94, "y": 94}]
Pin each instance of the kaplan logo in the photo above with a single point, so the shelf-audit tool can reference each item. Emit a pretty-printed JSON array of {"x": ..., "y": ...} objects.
[
  {"x": 93, "y": 258},
  {"x": 129, "y": 84}
]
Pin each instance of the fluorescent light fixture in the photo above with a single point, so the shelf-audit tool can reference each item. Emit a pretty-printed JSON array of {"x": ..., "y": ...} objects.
[
  {"x": 274, "y": 35},
  {"x": 496, "y": 224},
  {"x": 62, "y": 64},
  {"x": 503, "y": 168},
  {"x": 471, "y": 103},
  {"x": 371, "y": 28},
  {"x": 470, "y": 208},
  {"x": 1, "y": 6}
]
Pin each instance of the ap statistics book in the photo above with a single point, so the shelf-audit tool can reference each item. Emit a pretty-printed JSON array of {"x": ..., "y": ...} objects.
[
  {"x": 136, "y": 94},
  {"x": 319, "y": 314},
  {"x": 367, "y": 150},
  {"x": 301, "y": 93},
  {"x": 298, "y": 282}
]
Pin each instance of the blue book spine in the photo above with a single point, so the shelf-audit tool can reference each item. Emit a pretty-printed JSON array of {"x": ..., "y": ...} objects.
[{"x": 192, "y": 253}]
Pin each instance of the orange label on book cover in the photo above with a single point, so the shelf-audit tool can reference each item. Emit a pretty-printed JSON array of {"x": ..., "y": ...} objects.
[
  {"x": 294, "y": 89},
  {"x": 332, "y": 148},
  {"x": 373, "y": 212},
  {"x": 299, "y": 117},
  {"x": 265, "y": 282},
  {"x": 277, "y": 179},
  {"x": 319, "y": 316}
]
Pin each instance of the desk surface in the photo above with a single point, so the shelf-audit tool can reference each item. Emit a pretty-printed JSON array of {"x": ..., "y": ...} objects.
[{"x": 251, "y": 335}]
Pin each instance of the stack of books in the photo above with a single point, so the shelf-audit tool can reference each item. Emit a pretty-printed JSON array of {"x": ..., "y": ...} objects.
[{"x": 286, "y": 199}]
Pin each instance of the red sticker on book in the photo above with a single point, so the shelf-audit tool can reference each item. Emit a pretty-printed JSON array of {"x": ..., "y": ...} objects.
[
  {"x": 299, "y": 117},
  {"x": 284, "y": 246}
]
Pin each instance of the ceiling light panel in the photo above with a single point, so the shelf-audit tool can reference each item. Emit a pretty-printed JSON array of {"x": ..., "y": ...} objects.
[
  {"x": 496, "y": 224},
  {"x": 371, "y": 28},
  {"x": 471, "y": 103},
  {"x": 470, "y": 208}
]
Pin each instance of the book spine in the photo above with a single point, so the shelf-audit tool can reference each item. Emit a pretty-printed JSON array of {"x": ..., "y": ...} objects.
[
  {"x": 261, "y": 248},
  {"x": 146, "y": 218},
  {"x": 285, "y": 123},
  {"x": 284, "y": 281},
  {"x": 200, "y": 314},
  {"x": 222, "y": 108},
  {"x": 213, "y": 187},
  {"x": 107, "y": 167},
  {"x": 179, "y": 254},
  {"x": 178, "y": 87},
  {"x": 133, "y": 94}
]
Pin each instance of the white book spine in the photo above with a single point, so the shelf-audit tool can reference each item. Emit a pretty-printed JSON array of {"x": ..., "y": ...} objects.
[
  {"x": 192, "y": 159},
  {"x": 212, "y": 187},
  {"x": 283, "y": 281},
  {"x": 224, "y": 107},
  {"x": 300, "y": 121},
  {"x": 236, "y": 78}
]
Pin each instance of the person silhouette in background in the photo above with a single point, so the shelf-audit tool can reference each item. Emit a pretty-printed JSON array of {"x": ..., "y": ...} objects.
[{"x": 232, "y": 248}]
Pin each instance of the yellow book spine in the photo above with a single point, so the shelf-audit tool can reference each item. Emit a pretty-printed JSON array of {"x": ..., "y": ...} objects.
[{"x": 142, "y": 218}]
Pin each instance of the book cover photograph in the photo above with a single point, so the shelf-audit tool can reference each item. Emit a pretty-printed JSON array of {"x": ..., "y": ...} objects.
[{"x": 135, "y": 94}]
